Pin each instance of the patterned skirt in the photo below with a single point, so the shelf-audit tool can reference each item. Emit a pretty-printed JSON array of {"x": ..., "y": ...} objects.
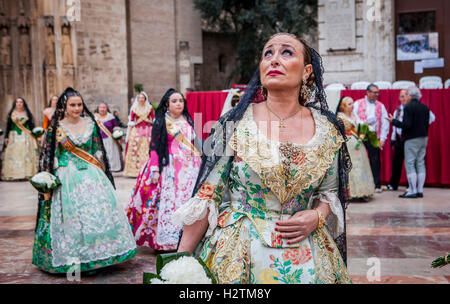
[{"x": 83, "y": 226}]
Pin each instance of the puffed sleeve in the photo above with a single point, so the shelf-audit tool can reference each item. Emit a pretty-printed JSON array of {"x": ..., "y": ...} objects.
[
  {"x": 328, "y": 193},
  {"x": 208, "y": 197}
]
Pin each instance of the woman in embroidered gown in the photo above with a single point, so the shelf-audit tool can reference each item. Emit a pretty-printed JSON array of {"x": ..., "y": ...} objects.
[
  {"x": 107, "y": 122},
  {"x": 138, "y": 135},
  {"x": 82, "y": 223},
  {"x": 168, "y": 178},
  {"x": 48, "y": 112},
  {"x": 284, "y": 163},
  {"x": 20, "y": 157},
  {"x": 361, "y": 185}
]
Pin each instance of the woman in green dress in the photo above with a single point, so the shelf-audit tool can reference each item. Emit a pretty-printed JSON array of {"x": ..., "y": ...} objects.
[
  {"x": 81, "y": 224},
  {"x": 283, "y": 164}
]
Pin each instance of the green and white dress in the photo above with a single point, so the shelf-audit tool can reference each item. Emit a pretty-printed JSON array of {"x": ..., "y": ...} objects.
[
  {"x": 268, "y": 181},
  {"x": 83, "y": 223}
]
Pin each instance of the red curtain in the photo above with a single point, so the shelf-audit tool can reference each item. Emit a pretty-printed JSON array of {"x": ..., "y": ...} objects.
[
  {"x": 205, "y": 109},
  {"x": 438, "y": 149}
]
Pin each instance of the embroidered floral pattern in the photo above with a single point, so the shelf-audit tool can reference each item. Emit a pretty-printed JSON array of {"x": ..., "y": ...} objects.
[
  {"x": 250, "y": 194},
  {"x": 297, "y": 256},
  {"x": 206, "y": 191},
  {"x": 276, "y": 240},
  {"x": 263, "y": 155}
]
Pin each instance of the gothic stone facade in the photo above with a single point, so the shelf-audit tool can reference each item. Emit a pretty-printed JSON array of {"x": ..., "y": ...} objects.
[{"x": 100, "y": 47}]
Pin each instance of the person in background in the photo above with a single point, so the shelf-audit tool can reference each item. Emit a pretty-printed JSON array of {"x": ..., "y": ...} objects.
[
  {"x": 107, "y": 122},
  {"x": 20, "y": 155},
  {"x": 48, "y": 112},
  {"x": 373, "y": 113},
  {"x": 168, "y": 178},
  {"x": 415, "y": 124},
  {"x": 361, "y": 184},
  {"x": 139, "y": 135},
  {"x": 398, "y": 143}
]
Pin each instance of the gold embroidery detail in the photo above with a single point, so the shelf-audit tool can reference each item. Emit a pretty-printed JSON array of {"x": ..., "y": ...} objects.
[
  {"x": 285, "y": 168},
  {"x": 329, "y": 266},
  {"x": 231, "y": 261}
]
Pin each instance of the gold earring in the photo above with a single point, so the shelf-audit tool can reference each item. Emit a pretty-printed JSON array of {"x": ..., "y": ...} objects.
[
  {"x": 305, "y": 91},
  {"x": 263, "y": 92}
]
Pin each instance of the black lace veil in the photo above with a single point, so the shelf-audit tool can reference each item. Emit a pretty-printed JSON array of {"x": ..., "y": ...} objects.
[
  {"x": 214, "y": 146},
  {"x": 159, "y": 141}
]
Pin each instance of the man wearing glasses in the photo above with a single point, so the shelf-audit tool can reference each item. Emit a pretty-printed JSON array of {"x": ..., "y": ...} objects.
[{"x": 373, "y": 113}]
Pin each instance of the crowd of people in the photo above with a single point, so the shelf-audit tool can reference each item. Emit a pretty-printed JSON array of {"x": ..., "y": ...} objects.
[
  {"x": 409, "y": 140},
  {"x": 264, "y": 203}
]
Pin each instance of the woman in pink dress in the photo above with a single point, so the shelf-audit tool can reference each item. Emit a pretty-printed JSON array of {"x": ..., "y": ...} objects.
[
  {"x": 168, "y": 178},
  {"x": 138, "y": 135}
]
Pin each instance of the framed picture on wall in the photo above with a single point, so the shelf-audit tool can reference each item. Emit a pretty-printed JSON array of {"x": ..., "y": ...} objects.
[{"x": 417, "y": 46}]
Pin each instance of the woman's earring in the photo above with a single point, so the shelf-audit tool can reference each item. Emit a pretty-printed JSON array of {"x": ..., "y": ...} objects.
[
  {"x": 306, "y": 91},
  {"x": 263, "y": 92}
]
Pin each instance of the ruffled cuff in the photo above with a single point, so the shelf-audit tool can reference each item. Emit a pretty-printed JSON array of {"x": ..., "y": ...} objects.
[
  {"x": 335, "y": 221},
  {"x": 195, "y": 209}
]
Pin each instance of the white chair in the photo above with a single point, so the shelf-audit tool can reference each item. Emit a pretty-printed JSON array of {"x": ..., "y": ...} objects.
[
  {"x": 447, "y": 84},
  {"x": 383, "y": 85},
  {"x": 360, "y": 85},
  {"x": 430, "y": 79},
  {"x": 431, "y": 85},
  {"x": 403, "y": 84},
  {"x": 335, "y": 86}
]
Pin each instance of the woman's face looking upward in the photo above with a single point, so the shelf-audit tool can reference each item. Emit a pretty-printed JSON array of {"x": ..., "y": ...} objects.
[{"x": 282, "y": 63}]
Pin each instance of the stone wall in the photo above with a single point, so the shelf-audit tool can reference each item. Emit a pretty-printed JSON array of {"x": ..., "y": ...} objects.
[
  {"x": 101, "y": 47},
  {"x": 218, "y": 47},
  {"x": 166, "y": 44},
  {"x": 373, "y": 59}
]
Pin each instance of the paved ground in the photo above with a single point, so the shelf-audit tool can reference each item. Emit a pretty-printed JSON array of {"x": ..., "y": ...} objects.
[{"x": 403, "y": 235}]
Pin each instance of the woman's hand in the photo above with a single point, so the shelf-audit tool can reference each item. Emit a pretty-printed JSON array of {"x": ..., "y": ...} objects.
[
  {"x": 155, "y": 177},
  {"x": 299, "y": 226}
]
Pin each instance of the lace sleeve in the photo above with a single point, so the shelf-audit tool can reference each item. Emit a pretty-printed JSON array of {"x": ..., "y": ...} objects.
[
  {"x": 208, "y": 197},
  {"x": 328, "y": 193}
]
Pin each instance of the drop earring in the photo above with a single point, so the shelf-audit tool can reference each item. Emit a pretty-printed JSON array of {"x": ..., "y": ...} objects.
[{"x": 306, "y": 91}]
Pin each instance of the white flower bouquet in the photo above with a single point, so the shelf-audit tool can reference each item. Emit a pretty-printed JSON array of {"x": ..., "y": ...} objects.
[
  {"x": 45, "y": 182},
  {"x": 37, "y": 132},
  {"x": 179, "y": 268},
  {"x": 118, "y": 134}
]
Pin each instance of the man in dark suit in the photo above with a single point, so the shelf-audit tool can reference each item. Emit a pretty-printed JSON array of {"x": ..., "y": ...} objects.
[
  {"x": 397, "y": 143},
  {"x": 416, "y": 119}
]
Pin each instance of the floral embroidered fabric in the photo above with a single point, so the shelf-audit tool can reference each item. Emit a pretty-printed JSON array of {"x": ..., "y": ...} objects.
[{"x": 266, "y": 184}]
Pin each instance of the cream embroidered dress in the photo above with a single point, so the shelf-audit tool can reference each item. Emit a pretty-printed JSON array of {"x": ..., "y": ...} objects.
[
  {"x": 360, "y": 177},
  {"x": 20, "y": 158},
  {"x": 268, "y": 181}
]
